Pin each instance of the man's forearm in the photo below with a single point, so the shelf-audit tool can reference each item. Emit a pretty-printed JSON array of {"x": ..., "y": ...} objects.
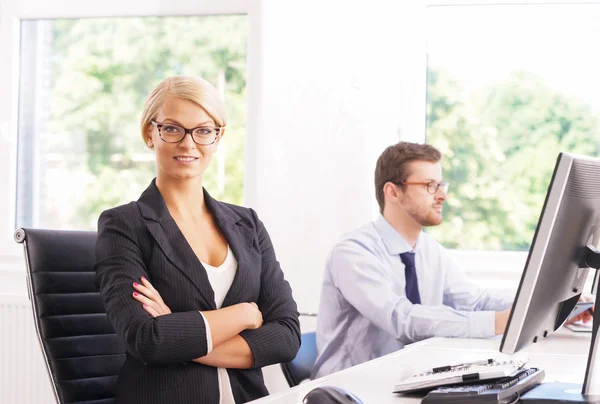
[{"x": 233, "y": 353}]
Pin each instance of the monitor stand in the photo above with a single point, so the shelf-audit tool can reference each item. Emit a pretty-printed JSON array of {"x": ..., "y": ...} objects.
[{"x": 555, "y": 392}]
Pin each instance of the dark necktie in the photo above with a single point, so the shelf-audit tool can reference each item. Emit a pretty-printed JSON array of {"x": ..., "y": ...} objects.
[{"x": 410, "y": 271}]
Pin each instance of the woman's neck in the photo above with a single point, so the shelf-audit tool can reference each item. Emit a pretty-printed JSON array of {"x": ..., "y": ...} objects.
[{"x": 184, "y": 198}]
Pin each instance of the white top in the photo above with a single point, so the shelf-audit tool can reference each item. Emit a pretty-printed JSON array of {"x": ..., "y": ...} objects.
[{"x": 220, "y": 279}]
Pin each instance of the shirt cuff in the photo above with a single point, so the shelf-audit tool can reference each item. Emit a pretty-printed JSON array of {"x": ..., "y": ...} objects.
[
  {"x": 482, "y": 324},
  {"x": 208, "y": 335}
]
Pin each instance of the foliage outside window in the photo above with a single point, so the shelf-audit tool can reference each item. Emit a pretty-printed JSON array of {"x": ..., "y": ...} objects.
[
  {"x": 100, "y": 72},
  {"x": 500, "y": 141}
]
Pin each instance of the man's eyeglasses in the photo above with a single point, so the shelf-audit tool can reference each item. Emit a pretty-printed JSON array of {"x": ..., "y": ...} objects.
[
  {"x": 432, "y": 186},
  {"x": 201, "y": 135}
]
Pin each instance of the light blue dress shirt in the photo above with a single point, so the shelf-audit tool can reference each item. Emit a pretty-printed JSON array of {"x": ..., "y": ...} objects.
[{"x": 364, "y": 312}]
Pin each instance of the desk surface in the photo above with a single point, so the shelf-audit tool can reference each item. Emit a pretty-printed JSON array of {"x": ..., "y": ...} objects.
[{"x": 563, "y": 356}]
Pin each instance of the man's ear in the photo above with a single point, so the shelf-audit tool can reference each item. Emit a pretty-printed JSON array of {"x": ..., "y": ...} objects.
[{"x": 391, "y": 189}]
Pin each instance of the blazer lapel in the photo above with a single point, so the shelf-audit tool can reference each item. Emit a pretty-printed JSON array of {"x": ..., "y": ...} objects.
[
  {"x": 173, "y": 244},
  {"x": 241, "y": 241}
]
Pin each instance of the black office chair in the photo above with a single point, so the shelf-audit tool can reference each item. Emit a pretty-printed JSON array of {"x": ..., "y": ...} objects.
[
  {"x": 82, "y": 352},
  {"x": 299, "y": 369}
]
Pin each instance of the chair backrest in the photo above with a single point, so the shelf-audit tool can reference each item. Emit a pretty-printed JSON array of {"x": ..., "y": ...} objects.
[
  {"x": 82, "y": 352},
  {"x": 299, "y": 369}
]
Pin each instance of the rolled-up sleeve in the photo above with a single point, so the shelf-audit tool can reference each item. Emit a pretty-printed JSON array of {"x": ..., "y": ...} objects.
[
  {"x": 463, "y": 294},
  {"x": 278, "y": 339},
  {"x": 172, "y": 338},
  {"x": 365, "y": 281}
]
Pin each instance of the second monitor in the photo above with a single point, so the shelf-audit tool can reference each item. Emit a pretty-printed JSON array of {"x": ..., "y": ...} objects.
[{"x": 563, "y": 250}]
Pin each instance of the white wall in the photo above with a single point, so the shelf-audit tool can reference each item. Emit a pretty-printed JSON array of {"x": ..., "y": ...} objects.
[{"x": 334, "y": 82}]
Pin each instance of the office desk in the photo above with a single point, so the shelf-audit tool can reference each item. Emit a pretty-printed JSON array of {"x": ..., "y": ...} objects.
[{"x": 563, "y": 356}]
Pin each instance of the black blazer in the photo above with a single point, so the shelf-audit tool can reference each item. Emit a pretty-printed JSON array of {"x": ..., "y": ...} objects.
[{"x": 142, "y": 239}]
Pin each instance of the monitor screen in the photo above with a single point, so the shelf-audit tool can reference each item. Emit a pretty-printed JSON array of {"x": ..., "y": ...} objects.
[{"x": 554, "y": 275}]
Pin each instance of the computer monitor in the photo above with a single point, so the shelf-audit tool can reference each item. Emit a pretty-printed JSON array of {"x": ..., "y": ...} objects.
[{"x": 563, "y": 250}]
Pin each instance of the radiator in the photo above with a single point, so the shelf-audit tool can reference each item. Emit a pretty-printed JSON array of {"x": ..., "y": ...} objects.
[{"x": 23, "y": 375}]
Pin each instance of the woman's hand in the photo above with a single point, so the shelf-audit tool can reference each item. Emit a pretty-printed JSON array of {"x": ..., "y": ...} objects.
[
  {"x": 150, "y": 298},
  {"x": 254, "y": 316}
]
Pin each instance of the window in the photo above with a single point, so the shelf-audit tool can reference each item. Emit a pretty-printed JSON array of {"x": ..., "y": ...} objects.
[
  {"x": 83, "y": 83},
  {"x": 508, "y": 88}
]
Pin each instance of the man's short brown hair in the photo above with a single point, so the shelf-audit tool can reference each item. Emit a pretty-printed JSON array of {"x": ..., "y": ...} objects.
[{"x": 392, "y": 165}]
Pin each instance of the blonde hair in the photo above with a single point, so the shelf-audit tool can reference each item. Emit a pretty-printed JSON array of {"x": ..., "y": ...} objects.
[{"x": 190, "y": 88}]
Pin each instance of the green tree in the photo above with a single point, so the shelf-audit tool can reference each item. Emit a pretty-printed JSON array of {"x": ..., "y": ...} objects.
[
  {"x": 103, "y": 70},
  {"x": 500, "y": 145}
]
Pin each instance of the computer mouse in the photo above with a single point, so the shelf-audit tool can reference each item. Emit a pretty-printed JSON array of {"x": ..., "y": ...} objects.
[{"x": 330, "y": 395}]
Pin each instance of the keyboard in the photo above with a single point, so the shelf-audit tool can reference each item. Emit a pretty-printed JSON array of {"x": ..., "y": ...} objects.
[{"x": 503, "y": 391}]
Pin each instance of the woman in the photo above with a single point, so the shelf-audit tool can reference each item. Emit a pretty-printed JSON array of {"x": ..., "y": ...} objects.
[{"x": 191, "y": 284}]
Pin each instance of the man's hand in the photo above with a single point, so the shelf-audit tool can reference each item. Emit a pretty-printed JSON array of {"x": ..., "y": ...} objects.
[
  {"x": 587, "y": 315},
  {"x": 501, "y": 321}
]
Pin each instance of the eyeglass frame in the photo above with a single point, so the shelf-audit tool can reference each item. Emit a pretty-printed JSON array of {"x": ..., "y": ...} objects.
[
  {"x": 438, "y": 185},
  {"x": 158, "y": 126}
]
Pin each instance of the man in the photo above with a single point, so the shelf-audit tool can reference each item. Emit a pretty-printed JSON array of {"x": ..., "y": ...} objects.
[{"x": 389, "y": 284}]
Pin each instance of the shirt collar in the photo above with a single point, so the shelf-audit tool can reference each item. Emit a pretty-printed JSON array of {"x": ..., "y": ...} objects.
[{"x": 393, "y": 241}]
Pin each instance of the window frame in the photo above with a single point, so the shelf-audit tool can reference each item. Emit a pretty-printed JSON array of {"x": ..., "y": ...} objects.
[
  {"x": 489, "y": 264},
  {"x": 418, "y": 91},
  {"x": 12, "y": 12}
]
